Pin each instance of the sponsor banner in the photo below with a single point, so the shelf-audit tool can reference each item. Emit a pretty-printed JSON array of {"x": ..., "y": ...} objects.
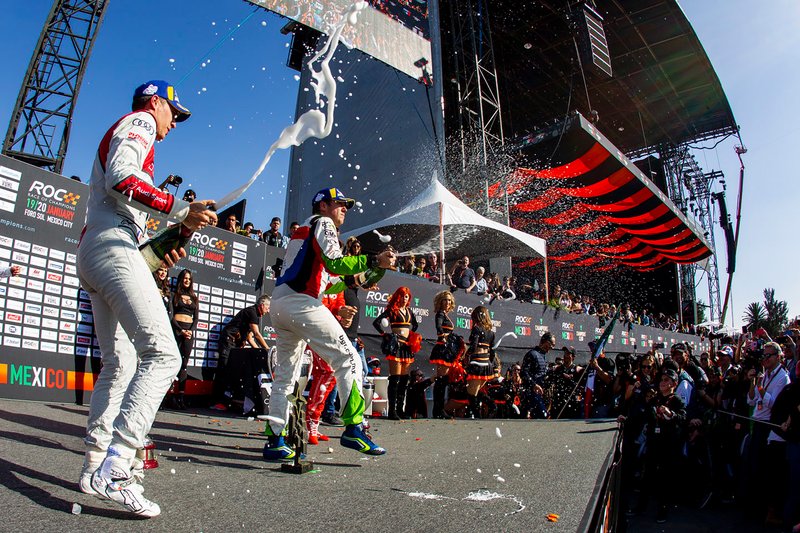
[
  {"x": 42, "y": 374},
  {"x": 527, "y": 320},
  {"x": 223, "y": 284},
  {"x": 46, "y": 323},
  {"x": 49, "y": 350}
]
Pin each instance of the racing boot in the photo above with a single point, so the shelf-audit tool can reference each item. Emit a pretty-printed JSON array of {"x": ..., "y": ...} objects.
[
  {"x": 115, "y": 481},
  {"x": 275, "y": 449},
  {"x": 356, "y": 438}
]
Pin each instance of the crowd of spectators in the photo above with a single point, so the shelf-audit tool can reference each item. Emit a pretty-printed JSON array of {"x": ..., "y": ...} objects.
[
  {"x": 722, "y": 425},
  {"x": 726, "y": 421},
  {"x": 461, "y": 276},
  {"x": 272, "y": 235}
]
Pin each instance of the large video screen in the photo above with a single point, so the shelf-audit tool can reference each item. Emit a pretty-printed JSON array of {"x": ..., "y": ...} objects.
[{"x": 393, "y": 31}]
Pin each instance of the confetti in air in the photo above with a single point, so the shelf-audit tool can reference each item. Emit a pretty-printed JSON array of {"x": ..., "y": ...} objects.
[
  {"x": 509, "y": 334},
  {"x": 383, "y": 238},
  {"x": 312, "y": 123}
]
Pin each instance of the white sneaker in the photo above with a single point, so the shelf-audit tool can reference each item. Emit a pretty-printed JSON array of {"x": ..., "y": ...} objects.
[{"x": 114, "y": 481}]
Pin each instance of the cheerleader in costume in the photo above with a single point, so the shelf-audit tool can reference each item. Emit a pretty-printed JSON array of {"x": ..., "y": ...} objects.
[
  {"x": 399, "y": 347},
  {"x": 481, "y": 359},
  {"x": 448, "y": 349}
]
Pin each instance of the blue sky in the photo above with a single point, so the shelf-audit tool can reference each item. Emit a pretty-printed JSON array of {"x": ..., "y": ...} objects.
[{"x": 245, "y": 95}]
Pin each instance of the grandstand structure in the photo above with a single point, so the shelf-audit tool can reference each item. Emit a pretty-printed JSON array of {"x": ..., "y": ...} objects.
[
  {"x": 573, "y": 120},
  {"x": 567, "y": 74}
]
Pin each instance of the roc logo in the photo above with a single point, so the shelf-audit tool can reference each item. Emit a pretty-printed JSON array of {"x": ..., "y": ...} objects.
[
  {"x": 71, "y": 198},
  {"x": 209, "y": 242},
  {"x": 153, "y": 224}
]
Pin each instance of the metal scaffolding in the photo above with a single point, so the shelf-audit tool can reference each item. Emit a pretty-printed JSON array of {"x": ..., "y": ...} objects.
[
  {"x": 690, "y": 189},
  {"x": 38, "y": 132},
  {"x": 480, "y": 124}
]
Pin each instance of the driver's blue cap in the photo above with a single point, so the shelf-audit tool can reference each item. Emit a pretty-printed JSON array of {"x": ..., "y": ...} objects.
[
  {"x": 333, "y": 194},
  {"x": 166, "y": 91}
]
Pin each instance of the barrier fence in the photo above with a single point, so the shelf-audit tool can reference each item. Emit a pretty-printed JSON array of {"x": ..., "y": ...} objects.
[{"x": 48, "y": 350}]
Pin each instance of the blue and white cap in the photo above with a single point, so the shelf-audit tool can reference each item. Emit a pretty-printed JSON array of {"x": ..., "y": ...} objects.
[
  {"x": 166, "y": 91},
  {"x": 333, "y": 194}
]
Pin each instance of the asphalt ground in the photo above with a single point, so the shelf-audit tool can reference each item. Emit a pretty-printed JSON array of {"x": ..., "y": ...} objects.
[
  {"x": 485, "y": 475},
  {"x": 461, "y": 475}
]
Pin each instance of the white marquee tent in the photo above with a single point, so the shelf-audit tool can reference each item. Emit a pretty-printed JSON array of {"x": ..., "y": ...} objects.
[{"x": 436, "y": 221}]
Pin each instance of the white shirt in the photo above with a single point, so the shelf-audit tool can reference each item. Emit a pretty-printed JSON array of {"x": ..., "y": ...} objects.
[{"x": 771, "y": 383}]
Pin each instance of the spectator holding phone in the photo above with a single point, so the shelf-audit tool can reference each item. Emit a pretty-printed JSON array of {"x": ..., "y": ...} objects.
[{"x": 462, "y": 276}]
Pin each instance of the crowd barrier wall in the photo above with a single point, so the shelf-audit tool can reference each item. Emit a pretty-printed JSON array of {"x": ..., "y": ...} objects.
[{"x": 48, "y": 350}]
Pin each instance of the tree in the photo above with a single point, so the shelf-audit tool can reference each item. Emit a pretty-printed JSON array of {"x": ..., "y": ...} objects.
[
  {"x": 701, "y": 311},
  {"x": 773, "y": 315},
  {"x": 777, "y": 313},
  {"x": 755, "y": 316}
]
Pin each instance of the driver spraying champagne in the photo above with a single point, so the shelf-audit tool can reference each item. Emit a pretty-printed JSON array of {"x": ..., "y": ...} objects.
[{"x": 300, "y": 318}]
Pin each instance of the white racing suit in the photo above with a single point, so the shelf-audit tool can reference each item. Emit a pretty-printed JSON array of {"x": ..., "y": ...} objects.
[
  {"x": 300, "y": 318},
  {"x": 139, "y": 353}
]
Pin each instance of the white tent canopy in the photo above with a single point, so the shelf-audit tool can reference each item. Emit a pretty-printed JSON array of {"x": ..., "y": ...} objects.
[{"x": 416, "y": 229}]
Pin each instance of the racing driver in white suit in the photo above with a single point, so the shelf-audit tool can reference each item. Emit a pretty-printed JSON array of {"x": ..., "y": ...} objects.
[
  {"x": 139, "y": 353},
  {"x": 300, "y": 318}
]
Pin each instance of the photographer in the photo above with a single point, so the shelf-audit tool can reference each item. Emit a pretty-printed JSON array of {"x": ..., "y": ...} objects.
[
  {"x": 600, "y": 379},
  {"x": 666, "y": 417},
  {"x": 789, "y": 348},
  {"x": 691, "y": 380},
  {"x": 10, "y": 271},
  {"x": 633, "y": 418},
  {"x": 726, "y": 432},
  {"x": 566, "y": 399}
]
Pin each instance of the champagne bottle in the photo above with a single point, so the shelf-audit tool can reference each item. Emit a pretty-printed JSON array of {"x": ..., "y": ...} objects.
[{"x": 162, "y": 243}]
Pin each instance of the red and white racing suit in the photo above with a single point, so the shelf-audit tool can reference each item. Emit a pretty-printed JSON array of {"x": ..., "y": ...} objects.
[
  {"x": 300, "y": 318},
  {"x": 139, "y": 353}
]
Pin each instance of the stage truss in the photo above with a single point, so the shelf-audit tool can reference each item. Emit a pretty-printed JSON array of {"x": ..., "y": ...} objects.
[{"x": 38, "y": 132}]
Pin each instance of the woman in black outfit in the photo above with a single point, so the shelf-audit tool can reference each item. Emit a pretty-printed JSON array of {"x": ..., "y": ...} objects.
[
  {"x": 481, "y": 357},
  {"x": 184, "y": 321},
  {"x": 395, "y": 347},
  {"x": 446, "y": 350}
]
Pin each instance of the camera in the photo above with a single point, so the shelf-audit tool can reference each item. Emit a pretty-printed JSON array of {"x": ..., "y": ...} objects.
[{"x": 174, "y": 179}]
